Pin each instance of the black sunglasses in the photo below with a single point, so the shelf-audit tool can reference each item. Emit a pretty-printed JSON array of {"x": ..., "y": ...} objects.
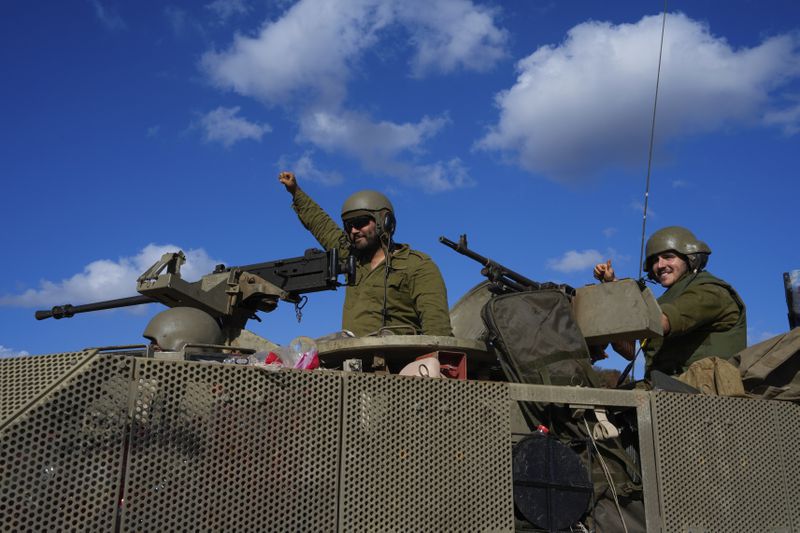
[{"x": 357, "y": 222}]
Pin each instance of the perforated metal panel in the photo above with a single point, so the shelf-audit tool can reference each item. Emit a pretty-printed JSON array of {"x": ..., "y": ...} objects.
[
  {"x": 207, "y": 446},
  {"x": 22, "y": 379},
  {"x": 61, "y": 459},
  {"x": 224, "y": 447},
  {"x": 114, "y": 442},
  {"x": 425, "y": 455},
  {"x": 726, "y": 464},
  {"x": 788, "y": 421}
]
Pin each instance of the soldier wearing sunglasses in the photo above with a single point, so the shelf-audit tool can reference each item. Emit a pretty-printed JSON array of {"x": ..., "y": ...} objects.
[{"x": 396, "y": 288}]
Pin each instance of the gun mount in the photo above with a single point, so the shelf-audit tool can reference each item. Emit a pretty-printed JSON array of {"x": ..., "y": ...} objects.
[{"x": 231, "y": 294}]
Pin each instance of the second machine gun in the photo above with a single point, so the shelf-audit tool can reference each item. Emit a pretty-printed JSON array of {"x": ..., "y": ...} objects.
[{"x": 502, "y": 279}]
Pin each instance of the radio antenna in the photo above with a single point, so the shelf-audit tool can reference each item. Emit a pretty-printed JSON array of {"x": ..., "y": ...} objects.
[{"x": 652, "y": 138}]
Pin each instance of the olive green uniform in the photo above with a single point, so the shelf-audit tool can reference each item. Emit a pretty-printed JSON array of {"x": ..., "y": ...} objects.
[
  {"x": 416, "y": 297},
  {"x": 707, "y": 318}
]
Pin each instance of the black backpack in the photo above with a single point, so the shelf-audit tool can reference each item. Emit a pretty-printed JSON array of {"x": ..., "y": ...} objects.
[{"x": 538, "y": 340}]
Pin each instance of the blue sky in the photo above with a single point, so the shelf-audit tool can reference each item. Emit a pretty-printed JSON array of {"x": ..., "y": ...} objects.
[{"x": 133, "y": 129}]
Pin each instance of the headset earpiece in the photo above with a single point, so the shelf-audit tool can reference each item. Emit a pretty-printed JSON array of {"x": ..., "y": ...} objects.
[{"x": 389, "y": 223}]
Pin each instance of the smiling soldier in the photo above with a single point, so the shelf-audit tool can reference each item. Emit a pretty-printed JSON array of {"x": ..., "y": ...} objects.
[
  {"x": 396, "y": 288},
  {"x": 702, "y": 315}
]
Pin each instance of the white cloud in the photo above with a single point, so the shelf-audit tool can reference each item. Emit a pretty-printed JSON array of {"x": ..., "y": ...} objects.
[
  {"x": 754, "y": 335},
  {"x": 574, "y": 261},
  {"x": 311, "y": 47},
  {"x": 8, "y": 352},
  {"x": 107, "y": 17},
  {"x": 224, "y": 126},
  {"x": 225, "y": 9},
  {"x": 153, "y": 131},
  {"x": 305, "y": 169},
  {"x": 105, "y": 279},
  {"x": 317, "y": 44},
  {"x": 449, "y": 34},
  {"x": 584, "y": 105},
  {"x": 788, "y": 119},
  {"x": 380, "y": 147},
  {"x": 680, "y": 184},
  {"x": 182, "y": 22},
  {"x": 442, "y": 176},
  {"x": 609, "y": 232},
  {"x": 375, "y": 144},
  {"x": 309, "y": 55},
  {"x": 764, "y": 335}
]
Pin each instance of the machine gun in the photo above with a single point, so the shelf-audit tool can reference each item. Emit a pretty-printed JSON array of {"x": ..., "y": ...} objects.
[
  {"x": 502, "y": 279},
  {"x": 231, "y": 294}
]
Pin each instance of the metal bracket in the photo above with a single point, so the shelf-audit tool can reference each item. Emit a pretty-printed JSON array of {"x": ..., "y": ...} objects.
[{"x": 172, "y": 261}]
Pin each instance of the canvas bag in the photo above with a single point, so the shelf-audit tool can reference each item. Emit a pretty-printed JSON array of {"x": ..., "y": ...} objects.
[
  {"x": 714, "y": 376},
  {"x": 770, "y": 370}
]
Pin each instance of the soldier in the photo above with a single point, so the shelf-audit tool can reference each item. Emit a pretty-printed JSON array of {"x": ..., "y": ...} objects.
[
  {"x": 396, "y": 287},
  {"x": 702, "y": 315}
]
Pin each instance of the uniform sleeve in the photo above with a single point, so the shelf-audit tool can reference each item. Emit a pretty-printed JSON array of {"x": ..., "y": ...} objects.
[
  {"x": 320, "y": 224},
  {"x": 704, "y": 305},
  {"x": 430, "y": 299}
]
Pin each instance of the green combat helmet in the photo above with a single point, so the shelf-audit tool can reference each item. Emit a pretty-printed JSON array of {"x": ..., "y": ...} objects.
[
  {"x": 174, "y": 328},
  {"x": 373, "y": 204},
  {"x": 680, "y": 240}
]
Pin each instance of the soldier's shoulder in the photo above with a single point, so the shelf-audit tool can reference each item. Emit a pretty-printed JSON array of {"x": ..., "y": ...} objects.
[
  {"x": 707, "y": 278},
  {"x": 416, "y": 255},
  {"x": 413, "y": 259},
  {"x": 708, "y": 286}
]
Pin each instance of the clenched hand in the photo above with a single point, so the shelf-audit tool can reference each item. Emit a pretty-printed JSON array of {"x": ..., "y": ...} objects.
[
  {"x": 289, "y": 181},
  {"x": 604, "y": 272}
]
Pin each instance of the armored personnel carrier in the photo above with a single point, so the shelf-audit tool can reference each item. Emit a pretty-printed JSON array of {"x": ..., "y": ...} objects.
[{"x": 133, "y": 439}]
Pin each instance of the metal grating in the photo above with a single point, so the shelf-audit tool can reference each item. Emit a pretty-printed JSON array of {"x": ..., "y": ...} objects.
[
  {"x": 788, "y": 421},
  {"x": 22, "y": 379},
  {"x": 60, "y": 460},
  {"x": 425, "y": 455},
  {"x": 222, "y": 447},
  {"x": 721, "y": 465}
]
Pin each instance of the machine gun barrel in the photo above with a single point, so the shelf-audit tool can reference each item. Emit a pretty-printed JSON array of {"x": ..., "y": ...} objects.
[
  {"x": 496, "y": 272},
  {"x": 67, "y": 310},
  {"x": 461, "y": 247}
]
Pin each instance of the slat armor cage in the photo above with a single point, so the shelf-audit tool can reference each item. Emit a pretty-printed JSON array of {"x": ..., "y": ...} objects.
[{"x": 112, "y": 442}]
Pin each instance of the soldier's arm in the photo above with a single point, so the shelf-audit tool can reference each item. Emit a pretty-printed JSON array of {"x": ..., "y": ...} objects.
[
  {"x": 430, "y": 299},
  {"x": 699, "y": 306},
  {"x": 319, "y": 223}
]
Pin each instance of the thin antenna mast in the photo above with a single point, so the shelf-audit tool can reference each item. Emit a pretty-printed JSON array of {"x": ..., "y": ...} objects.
[
  {"x": 630, "y": 368},
  {"x": 652, "y": 138}
]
